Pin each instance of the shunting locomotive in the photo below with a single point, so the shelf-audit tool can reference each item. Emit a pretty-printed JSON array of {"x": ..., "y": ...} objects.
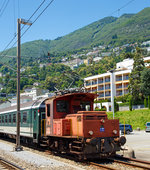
[
  {"x": 73, "y": 127},
  {"x": 67, "y": 123}
]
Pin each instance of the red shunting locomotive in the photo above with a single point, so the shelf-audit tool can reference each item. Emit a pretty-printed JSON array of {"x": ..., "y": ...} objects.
[{"x": 73, "y": 127}]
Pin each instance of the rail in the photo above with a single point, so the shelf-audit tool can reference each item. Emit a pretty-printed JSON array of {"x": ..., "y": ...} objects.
[{"x": 4, "y": 164}]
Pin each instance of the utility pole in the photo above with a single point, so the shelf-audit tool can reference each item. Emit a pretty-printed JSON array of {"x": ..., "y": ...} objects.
[
  {"x": 112, "y": 91},
  {"x": 19, "y": 22}
]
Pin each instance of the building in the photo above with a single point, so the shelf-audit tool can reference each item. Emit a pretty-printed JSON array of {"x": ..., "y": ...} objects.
[{"x": 101, "y": 84}]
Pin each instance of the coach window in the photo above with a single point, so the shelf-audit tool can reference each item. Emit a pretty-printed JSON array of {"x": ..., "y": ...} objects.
[
  {"x": 14, "y": 118},
  {"x": 2, "y": 119},
  {"x": 48, "y": 110},
  {"x": 24, "y": 117},
  {"x": 6, "y": 119},
  {"x": 9, "y": 118}
]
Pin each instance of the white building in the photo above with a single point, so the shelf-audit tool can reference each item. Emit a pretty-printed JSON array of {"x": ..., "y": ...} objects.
[{"x": 101, "y": 84}]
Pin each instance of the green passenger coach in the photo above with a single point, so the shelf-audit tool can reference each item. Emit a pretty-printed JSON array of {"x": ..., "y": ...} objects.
[{"x": 32, "y": 121}]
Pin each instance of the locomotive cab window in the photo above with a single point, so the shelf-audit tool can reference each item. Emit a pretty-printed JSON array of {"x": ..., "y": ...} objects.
[
  {"x": 48, "y": 110},
  {"x": 62, "y": 106}
]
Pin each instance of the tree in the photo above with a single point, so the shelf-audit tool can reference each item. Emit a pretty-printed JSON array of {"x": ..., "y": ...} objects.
[
  {"x": 130, "y": 103},
  {"x": 135, "y": 76},
  {"x": 149, "y": 102},
  {"x": 145, "y": 82}
]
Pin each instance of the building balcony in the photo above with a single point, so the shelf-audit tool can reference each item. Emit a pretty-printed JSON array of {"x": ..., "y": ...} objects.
[
  {"x": 100, "y": 89},
  {"x": 93, "y": 83},
  {"x": 101, "y": 95},
  {"x": 107, "y": 80},
  {"x": 100, "y": 81},
  {"x": 94, "y": 90},
  {"x": 118, "y": 79},
  {"x": 118, "y": 87},
  {"x": 88, "y": 84},
  {"x": 107, "y": 88}
]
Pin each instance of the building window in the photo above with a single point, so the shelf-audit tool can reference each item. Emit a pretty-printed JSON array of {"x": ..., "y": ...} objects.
[
  {"x": 107, "y": 86},
  {"x": 107, "y": 79},
  {"x": 107, "y": 94},
  {"x": 100, "y": 80},
  {"x": 14, "y": 118},
  {"x": 24, "y": 117},
  {"x": 118, "y": 78}
]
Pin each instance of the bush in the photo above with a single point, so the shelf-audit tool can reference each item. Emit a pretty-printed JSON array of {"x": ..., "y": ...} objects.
[{"x": 102, "y": 109}]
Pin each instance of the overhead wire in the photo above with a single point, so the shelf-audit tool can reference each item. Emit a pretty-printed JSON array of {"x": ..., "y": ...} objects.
[
  {"x": 4, "y": 8},
  {"x": 23, "y": 27}
]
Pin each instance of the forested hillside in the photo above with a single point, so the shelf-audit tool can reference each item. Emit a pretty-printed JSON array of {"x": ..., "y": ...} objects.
[{"x": 110, "y": 30}]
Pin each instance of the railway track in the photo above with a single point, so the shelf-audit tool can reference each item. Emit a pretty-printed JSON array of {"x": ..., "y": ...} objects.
[
  {"x": 4, "y": 164},
  {"x": 122, "y": 163}
]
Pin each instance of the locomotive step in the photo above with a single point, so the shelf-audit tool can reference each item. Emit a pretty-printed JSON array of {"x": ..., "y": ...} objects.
[
  {"x": 78, "y": 142},
  {"x": 77, "y": 147},
  {"x": 75, "y": 152}
]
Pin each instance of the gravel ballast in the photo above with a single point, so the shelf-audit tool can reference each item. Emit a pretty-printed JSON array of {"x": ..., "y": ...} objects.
[{"x": 28, "y": 159}]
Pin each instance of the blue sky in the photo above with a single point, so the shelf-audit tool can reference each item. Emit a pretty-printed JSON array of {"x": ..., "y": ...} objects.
[{"x": 61, "y": 17}]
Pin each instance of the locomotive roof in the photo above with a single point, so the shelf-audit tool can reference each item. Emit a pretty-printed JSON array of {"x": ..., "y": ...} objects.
[
  {"x": 89, "y": 95},
  {"x": 28, "y": 105}
]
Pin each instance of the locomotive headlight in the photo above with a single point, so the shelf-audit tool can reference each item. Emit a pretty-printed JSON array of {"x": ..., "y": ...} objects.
[
  {"x": 91, "y": 132},
  {"x": 115, "y": 132},
  {"x": 102, "y": 120}
]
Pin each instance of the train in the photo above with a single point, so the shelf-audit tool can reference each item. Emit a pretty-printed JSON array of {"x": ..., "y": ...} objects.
[{"x": 67, "y": 123}]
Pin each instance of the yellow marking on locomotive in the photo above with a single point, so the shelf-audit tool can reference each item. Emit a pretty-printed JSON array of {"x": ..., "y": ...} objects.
[{"x": 43, "y": 123}]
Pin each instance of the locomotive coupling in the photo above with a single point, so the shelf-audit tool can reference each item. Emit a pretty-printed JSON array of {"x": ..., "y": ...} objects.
[
  {"x": 121, "y": 140},
  {"x": 92, "y": 141}
]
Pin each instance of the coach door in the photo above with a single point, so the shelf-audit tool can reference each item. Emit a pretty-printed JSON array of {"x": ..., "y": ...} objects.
[
  {"x": 43, "y": 124},
  {"x": 35, "y": 124}
]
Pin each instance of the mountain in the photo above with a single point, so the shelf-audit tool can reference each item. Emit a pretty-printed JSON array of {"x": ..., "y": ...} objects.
[{"x": 110, "y": 30}]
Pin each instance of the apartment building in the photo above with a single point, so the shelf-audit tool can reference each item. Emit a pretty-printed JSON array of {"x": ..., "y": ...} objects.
[{"x": 102, "y": 83}]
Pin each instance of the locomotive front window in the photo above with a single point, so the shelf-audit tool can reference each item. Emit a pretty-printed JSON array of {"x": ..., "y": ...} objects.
[
  {"x": 62, "y": 106},
  {"x": 85, "y": 106}
]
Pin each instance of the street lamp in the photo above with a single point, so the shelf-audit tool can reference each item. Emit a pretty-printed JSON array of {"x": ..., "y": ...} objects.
[
  {"x": 112, "y": 91},
  {"x": 19, "y": 21}
]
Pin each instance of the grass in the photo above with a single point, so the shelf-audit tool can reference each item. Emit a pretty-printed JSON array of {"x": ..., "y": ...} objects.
[{"x": 136, "y": 118}]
